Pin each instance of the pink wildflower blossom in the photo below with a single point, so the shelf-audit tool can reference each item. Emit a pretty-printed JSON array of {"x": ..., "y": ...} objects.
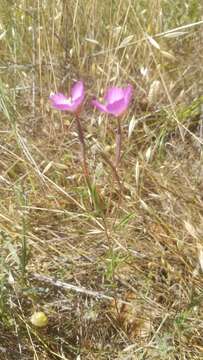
[
  {"x": 61, "y": 102},
  {"x": 117, "y": 100}
]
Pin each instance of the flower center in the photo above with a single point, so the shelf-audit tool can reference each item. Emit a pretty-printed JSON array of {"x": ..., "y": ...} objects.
[{"x": 68, "y": 101}]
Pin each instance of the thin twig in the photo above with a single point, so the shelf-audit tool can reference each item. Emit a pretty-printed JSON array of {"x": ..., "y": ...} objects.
[{"x": 82, "y": 290}]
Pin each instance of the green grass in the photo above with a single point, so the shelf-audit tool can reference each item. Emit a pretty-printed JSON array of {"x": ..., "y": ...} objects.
[{"x": 115, "y": 266}]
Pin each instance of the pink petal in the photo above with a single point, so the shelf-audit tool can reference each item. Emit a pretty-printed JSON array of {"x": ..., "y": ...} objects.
[
  {"x": 113, "y": 94},
  {"x": 77, "y": 90},
  {"x": 128, "y": 92},
  {"x": 75, "y": 104},
  {"x": 99, "y": 106},
  {"x": 117, "y": 108},
  {"x": 60, "y": 101}
]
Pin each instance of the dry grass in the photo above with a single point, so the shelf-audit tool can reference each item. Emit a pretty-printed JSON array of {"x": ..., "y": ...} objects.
[{"x": 124, "y": 281}]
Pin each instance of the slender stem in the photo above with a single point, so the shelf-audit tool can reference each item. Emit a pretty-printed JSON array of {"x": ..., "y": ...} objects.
[
  {"x": 95, "y": 196},
  {"x": 83, "y": 149},
  {"x": 117, "y": 162},
  {"x": 118, "y": 143},
  {"x": 114, "y": 170}
]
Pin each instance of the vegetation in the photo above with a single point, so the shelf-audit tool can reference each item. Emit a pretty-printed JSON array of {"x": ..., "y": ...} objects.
[{"x": 111, "y": 271}]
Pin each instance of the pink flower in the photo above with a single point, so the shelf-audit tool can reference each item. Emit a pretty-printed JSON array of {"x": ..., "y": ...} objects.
[
  {"x": 72, "y": 103},
  {"x": 117, "y": 100}
]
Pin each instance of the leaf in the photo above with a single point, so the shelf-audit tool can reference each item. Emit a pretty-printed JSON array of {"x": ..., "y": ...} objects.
[
  {"x": 153, "y": 42},
  {"x": 190, "y": 229},
  {"x": 2, "y": 34},
  {"x": 92, "y": 41},
  {"x": 137, "y": 173},
  {"x": 13, "y": 253},
  {"x": 154, "y": 92},
  {"x": 200, "y": 256},
  {"x": 127, "y": 40},
  {"x": 132, "y": 124},
  {"x": 175, "y": 34},
  {"x": 125, "y": 220},
  {"x": 47, "y": 167},
  {"x": 168, "y": 55},
  {"x": 148, "y": 153}
]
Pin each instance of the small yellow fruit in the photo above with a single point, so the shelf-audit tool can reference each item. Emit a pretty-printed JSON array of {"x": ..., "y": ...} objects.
[{"x": 39, "y": 319}]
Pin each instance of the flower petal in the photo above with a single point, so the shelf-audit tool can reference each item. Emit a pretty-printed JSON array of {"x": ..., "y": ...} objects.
[
  {"x": 77, "y": 90},
  {"x": 75, "y": 104},
  {"x": 99, "y": 106},
  {"x": 128, "y": 93},
  {"x": 113, "y": 94},
  {"x": 60, "y": 101},
  {"x": 117, "y": 108}
]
